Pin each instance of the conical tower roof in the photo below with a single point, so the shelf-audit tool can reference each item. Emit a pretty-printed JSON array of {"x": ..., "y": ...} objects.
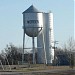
[{"x": 31, "y": 9}]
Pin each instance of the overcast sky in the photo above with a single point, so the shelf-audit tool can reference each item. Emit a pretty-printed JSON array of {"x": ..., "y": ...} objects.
[{"x": 11, "y": 21}]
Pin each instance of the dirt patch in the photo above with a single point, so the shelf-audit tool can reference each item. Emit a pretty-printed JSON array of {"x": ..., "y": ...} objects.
[{"x": 67, "y": 72}]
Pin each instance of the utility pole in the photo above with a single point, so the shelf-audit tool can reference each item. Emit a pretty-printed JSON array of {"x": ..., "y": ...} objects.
[{"x": 55, "y": 42}]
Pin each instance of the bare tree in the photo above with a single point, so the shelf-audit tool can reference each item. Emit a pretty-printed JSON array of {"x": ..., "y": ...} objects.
[
  {"x": 70, "y": 45},
  {"x": 69, "y": 49},
  {"x": 12, "y": 53}
]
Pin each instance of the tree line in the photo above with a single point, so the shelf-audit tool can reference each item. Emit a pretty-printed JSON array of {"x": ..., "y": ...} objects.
[{"x": 63, "y": 56}]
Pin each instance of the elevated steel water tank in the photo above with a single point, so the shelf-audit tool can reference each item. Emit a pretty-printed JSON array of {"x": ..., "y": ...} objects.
[{"x": 32, "y": 21}]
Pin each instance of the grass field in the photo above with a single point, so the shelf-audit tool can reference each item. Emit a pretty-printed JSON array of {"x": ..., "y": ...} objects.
[
  {"x": 38, "y": 69},
  {"x": 33, "y": 67}
]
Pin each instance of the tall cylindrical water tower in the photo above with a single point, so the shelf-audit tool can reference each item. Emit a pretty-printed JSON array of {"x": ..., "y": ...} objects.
[
  {"x": 49, "y": 36},
  {"x": 32, "y": 25},
  {"x": 48, "y": 39}
]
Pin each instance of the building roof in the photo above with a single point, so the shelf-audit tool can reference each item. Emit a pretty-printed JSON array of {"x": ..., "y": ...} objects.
[{"x": 31, "y": 9}]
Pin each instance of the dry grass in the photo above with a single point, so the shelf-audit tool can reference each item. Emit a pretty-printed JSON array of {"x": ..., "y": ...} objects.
[
  {"x": 36, "y": 67},
  {"x": 39, "y": 69}
]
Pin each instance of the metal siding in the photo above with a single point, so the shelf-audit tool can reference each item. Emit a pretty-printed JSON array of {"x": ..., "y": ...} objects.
[
  {"x": 48, "y": 39},
  {"x": 32, "y": 28},
  {"x": 51, "y": 37},
  {"x": 40, "y": 51},
  {"x": 46, "y": 35}
]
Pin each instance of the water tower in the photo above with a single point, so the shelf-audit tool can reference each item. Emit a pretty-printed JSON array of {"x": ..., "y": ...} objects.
[{"x": 32, "y": 25}]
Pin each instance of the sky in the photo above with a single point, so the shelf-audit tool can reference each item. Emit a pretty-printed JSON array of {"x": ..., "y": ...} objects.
[{"x": 11, "y": 19}]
